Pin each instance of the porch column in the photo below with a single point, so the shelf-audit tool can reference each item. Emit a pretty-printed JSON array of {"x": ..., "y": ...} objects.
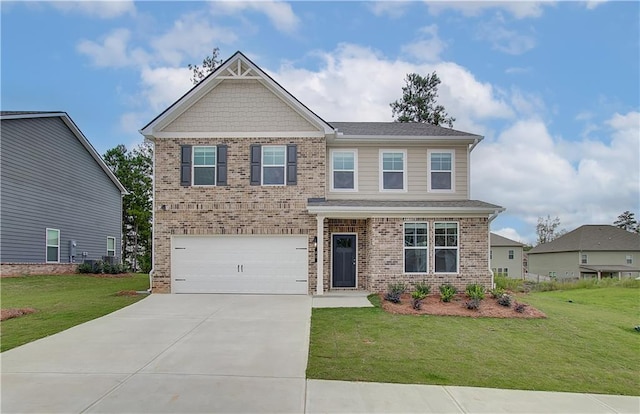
[{"x": 320, "y": 264}]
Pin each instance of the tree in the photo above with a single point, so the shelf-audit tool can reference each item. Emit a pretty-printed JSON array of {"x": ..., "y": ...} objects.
[
  {"x": 209, "y": 64},
  {"x": 134, "y": 170},
  {"x": 547, "y": 229},
  {"x": 628, "y": 222},
  {"x": 418, "y": 103}
]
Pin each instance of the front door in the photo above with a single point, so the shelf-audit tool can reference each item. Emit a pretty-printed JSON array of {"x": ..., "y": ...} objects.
[{"x": 344, "y": 260}]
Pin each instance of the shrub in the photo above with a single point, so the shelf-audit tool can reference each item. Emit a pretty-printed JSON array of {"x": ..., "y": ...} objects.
[
  {"x": 497, "y": 292},
  {"x": 392, "y": 297},
  {"x": 423, "y": 288},
  {"x": 418, "y": 295},
  {"x": 504, "y": 300},
  {"x": 85, "y": 268},
  {"x": 416, "y": 303},
  {"x": 395, "y": 291},
  {"x": 473, "y": 304},
  {"x": 519, "y": 307},
  {"x": 475, "y": 291},
  {"x": 98, "y": 267},
  {"x": 507, "y": 283},
  {"x": 447, "y": 292}
]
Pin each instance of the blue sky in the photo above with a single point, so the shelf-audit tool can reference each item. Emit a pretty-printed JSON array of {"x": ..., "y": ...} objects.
[{"x": 553, "y": 86}]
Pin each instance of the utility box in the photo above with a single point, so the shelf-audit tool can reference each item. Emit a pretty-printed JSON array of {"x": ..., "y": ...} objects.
[{"x": 72, "y": 249}]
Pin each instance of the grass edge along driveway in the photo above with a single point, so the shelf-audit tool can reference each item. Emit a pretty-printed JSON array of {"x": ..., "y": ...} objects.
[
  {"x": 586, "y": 344},
  {"x": 61, "y": 301}
]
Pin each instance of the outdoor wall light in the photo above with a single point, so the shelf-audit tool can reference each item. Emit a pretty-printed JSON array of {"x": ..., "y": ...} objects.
[{"x": 315, "y": 248}]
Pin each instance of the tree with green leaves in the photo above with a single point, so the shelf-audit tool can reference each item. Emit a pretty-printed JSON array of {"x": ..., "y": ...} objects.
[
  {"x": 209, "y": 64},
  {"x": 418, "y": 103},
  {"x": 628, "y": 222},
  {"x": 547, "y": 229},
  {"x": 134, "y": 170}
]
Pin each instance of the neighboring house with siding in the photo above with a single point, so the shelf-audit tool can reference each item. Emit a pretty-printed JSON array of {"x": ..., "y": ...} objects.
[
  {"x": 590, "y": 251},
  {"x": 506, "y": 257},
  {"x": 255, "y": 193},
  {"x": 56, "y": 192}
]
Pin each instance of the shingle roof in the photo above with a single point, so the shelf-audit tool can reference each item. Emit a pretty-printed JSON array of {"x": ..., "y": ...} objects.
[
  {"x": 9, "y": 113},
  {"x": 497, "y": 240},
  {"x": 408, "y": 129},
  {"x": 401, "y": 204},
  {"x": 592, "y": 238}
]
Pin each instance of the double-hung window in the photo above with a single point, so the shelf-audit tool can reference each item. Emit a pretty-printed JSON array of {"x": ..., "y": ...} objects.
[
  {"x": 584, "y": 259},
  {"x": 446, "y": 247},
  {"x": 344, "y": 170},
  {"x": 53, "y": 246},
  {"x": 511, "y": 254},
  {"x": 441, "y": 170},
  {"x": 111, "y": 246},
  {"x": 273, "y": 165},
  {"x": 416, "y": 243},
  {"x": 393, "y": 170},
  {"x": 204, "y": 165},
  {"x": 629, "y": 259}
]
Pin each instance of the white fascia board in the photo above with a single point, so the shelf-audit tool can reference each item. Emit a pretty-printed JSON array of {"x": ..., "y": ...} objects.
[
  {"x": 341, "y": 212},
  {"x": 34, "y": 115},
  {"x": 256, "y": 134},
  {"x": 404, "y": 139}
]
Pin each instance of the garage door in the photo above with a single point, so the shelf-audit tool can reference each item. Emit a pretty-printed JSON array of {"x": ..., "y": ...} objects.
[{"x": 239, "y": 264}]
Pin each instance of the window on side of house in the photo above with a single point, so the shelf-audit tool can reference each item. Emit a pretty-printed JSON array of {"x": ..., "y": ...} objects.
[
  {"x": 446, "y": 247},
  {"x": 53, "y": 246},
  {"x": 441, "y": 170},
  {"x": 511, "y": 253},
  {"x": 583, "y": 259},
  {"x": 490, "y": 254},
  {"x": 274, "y": 165},
  {"x": 629, "y": 259},
  {"x": 344, "y": 170},
  {"x": 506, "y": 272},
  {"x": 393, "y": 173},
  {"x": 204, "y": 165},
  {"x": 416, "y": 240},
  {"x": 111, "y": 246}
]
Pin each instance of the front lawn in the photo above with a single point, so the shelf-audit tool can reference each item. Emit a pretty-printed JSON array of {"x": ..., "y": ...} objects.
[
  {"x": 61, "y": 301},
  {"x": 586, "y": 344}
]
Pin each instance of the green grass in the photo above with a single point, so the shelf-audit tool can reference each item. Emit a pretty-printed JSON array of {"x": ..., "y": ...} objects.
[
  {"x": 587, "y": 345},
  {"x": 61, "y": 301}
]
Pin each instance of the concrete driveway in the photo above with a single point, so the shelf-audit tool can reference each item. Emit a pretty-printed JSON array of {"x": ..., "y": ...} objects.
[{"x": 169, "y": 353}]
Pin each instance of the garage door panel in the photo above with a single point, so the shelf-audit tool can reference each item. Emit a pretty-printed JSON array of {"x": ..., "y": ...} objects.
[{"x": 239, "y": 264}]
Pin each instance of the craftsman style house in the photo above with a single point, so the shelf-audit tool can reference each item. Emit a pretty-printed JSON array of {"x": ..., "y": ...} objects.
[{"x": 255, "y": 193}]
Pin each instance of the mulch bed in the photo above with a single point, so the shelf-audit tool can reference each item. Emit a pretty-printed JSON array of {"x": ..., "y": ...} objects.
[
  {"x": 14, "y": 313},
  {"x": 432, "y": 305}
]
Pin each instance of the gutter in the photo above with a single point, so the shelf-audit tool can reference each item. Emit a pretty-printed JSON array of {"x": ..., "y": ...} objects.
[
  {"x": 491, "y": 218},
  {"x": 475, "y": 143},
  {"x": 153, "y": 211}
]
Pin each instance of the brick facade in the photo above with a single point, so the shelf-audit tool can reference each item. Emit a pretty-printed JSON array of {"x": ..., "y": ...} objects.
[{"x": 27, "y": 269}]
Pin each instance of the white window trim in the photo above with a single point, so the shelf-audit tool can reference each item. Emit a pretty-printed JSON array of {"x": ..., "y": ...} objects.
[
  {"x": 194, "y": 166},
  {"x": 381, "y": 171},
  {"x": 586, "y": 258},
  {"x": 262, "y": 166},
  {"x": 46, "y": 242},
  {"x": 453, "y": 170},
  {"x": 511, "y": 254},
  {"x": 457, "y": 249},
  {"x": 355, "y": 170},
  {"x": 629, "y": 259},
  {"x": 114, "y": 245},
  {"x": 414, "y": 248}
]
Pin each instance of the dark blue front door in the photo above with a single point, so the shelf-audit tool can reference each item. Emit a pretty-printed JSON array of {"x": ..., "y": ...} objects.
[{"x": 344, "y": 260}]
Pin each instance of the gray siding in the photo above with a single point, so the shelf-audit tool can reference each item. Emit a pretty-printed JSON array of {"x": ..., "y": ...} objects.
[
  {"x": 500, "y": 260},
  {"x": 49, "y": 180}
]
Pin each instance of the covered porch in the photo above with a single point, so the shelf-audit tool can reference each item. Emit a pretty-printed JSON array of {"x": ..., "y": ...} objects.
[{"x": 608, "y": 271}]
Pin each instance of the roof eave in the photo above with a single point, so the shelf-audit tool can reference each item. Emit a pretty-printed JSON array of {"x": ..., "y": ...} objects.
[
  {"x": 359, "y": 211},
  {"x": 401, "y": 139}
]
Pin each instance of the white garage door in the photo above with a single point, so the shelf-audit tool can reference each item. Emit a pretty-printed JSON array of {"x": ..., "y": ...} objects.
[{"x": 239, "y": 264}]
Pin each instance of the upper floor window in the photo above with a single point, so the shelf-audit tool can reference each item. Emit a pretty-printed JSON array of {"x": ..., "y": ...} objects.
[
  {"x": 629, "y": 259},
  {"x": 446, "y": 247},
  {"x": 583, "y": 259},
  {"x": 511, "y": 254},
  {"x": 53, "y": 246},
  {"x": 273, "y": 165},
  {"x": 204, "y": 165},
  {"x": 415, "y": 247},
  {"x": 393, "y": 170},
  {"x": 343, "y": 170},
  {"x": 111, "y": 246},
  {"x": 441, "y": 170}
]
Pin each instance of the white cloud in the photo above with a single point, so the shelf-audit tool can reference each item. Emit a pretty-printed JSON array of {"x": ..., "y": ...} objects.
[
  {"x": 164, "y": 85},
  {"x": 509, "y": 233},
  {"x": 426, "y": 49},
  {"x": 592, "y": 4},
  {"x": 279, "y": 13},
  {"x": 393, "y": 9},
  {"x": 519, "y": 9},
  {"x": 503, "y": 39},
  {"x": 113, "y": 50},
  {"x": 101, "y": 9}
]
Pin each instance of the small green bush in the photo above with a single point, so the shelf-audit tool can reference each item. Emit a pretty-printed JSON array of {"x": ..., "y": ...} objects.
[
  {"x": 423, "y": 288},
  {"x": 418, "y": 295},
  {"x": 475, "y": 291},
  {"x": 497, "y": 292},
  {"x": 98, "y": 267},
  {"x": 507, "y": 283},
  {"x": 447, "y": 292},
  {"x": 85, "y": 268},
  {"x": 504, "y": 300}
]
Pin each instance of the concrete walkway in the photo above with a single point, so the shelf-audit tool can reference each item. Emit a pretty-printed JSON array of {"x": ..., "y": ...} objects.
[{"x": 230, "y": 353}]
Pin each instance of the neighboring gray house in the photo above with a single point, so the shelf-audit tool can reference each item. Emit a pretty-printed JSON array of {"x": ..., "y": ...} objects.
[
  {"x": 506, "y": 256},
  {"x": 56, "y": 192},
  {"x": 590, "y": 251}
]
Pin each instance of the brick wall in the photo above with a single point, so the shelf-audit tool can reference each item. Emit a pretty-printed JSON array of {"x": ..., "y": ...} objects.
[
  {"x": 237, "y": 208},
  {"x": 23, "y": 269}
]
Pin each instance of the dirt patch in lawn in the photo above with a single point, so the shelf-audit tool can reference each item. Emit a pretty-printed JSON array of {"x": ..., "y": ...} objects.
[
  {"x": 432, "y": 305},
  {"x": 127, "y": 293},
  {"x": 14, "y": 313}
]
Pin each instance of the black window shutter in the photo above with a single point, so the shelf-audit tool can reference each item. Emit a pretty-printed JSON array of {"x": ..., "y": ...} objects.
[
  {"x": 221, "y": 165},
  {"x": 185, "y": 165},
  {"x": 292, "y": 165},
  {"x": 256, "y": 161}
]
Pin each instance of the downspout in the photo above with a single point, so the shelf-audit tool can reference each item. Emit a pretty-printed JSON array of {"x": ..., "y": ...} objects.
[
  {"x": 153, "y": 212},
  {"x": 491, "y": 218}
]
